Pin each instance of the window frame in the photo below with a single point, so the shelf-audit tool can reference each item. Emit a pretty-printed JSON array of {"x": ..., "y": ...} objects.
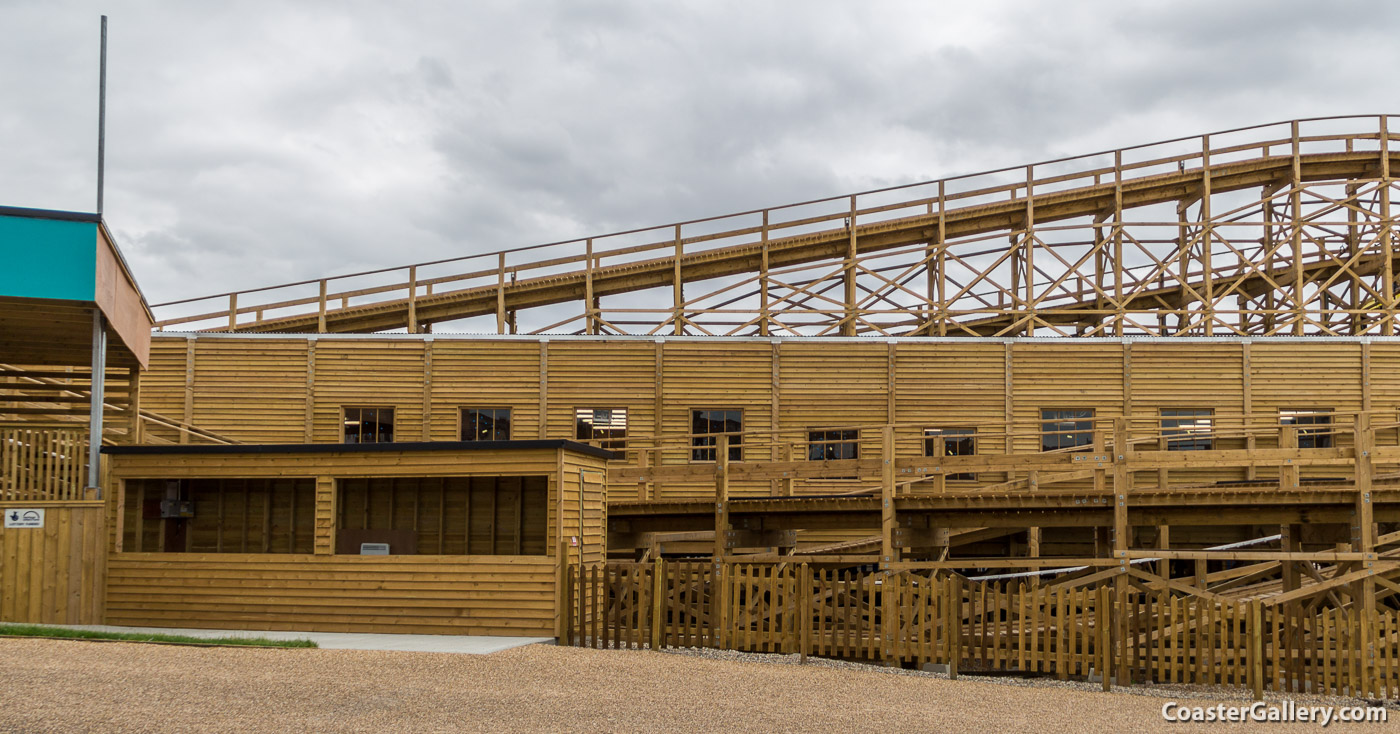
[
  {"x": 964, "y": 434},
  {"x": 345, "y": 421},
  {"x": 1311, "y": 438},
  {"x": 1182, "y": 439},
  {"x": 611, "y": 443},
  {"x": 1087, "y": 445},
  {"x": 735, "y": 446},
  {"x": 462, "y": 423},
  {"x": 840, "y": 443}
]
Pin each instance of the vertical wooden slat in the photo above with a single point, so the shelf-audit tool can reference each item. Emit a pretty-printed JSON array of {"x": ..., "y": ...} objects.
[{"x": 804, "y": 611}]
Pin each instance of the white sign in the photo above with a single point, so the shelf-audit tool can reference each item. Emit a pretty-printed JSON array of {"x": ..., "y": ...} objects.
[{"x": 17, "y": 518}]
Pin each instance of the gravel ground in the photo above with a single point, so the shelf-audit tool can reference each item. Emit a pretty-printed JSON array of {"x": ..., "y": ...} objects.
[{"x": 67, "y": 686}]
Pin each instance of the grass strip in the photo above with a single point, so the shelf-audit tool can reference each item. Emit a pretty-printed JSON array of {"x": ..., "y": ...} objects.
[{"x": 38, "y": 630}]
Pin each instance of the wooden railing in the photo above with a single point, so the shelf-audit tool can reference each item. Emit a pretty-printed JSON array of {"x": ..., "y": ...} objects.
[
  {"x": 42, "y": 463},
  {"x": 1126, "y": 622},
  {"x": 970, "y": 264}
]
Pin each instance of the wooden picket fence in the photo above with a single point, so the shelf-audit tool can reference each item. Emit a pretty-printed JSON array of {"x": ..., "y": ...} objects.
[
  {"x": 1070, "y": 630},
  {"x": 42, "y": 463}
]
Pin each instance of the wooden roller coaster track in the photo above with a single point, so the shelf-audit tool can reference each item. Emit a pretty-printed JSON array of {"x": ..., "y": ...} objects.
[{"x": 1279, "y": 229}]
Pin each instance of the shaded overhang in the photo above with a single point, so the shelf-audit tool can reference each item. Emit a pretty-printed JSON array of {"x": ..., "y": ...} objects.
[{"x": 55, "y": 268}]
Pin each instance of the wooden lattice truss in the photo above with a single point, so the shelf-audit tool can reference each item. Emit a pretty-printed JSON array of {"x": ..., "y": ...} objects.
[{"x": 1282, "y": 229}]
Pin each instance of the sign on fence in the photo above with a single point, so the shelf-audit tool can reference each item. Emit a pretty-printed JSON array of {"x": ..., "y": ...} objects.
[{"x": 24, "y": 518}]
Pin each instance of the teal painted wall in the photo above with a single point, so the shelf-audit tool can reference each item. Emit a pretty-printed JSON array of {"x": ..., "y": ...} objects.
[{"x": 48, "y": 258}]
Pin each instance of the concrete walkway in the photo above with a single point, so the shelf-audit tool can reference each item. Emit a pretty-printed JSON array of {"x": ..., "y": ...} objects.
[{"x": 462, "y": 644}]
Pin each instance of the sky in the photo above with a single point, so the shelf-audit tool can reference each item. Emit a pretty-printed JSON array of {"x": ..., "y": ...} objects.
[{"x": 256, "y": 143}]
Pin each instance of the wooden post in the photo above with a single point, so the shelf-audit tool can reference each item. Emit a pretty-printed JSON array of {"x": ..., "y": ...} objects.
[
  {"x": 426, "y": 429},
  {"x": 848, "y": 322},
  {"x": 1364, "y": 528},
  {"x": 722, "y": 612},
  {"x": 805, "y": 611},
  {"x": 1247, "y": 385},
  {"x": 590, "y": 317},
  {"x": 888, "y": 552},
  {"x": 561, "y": 595},
  {"x": 1207, "y": 240},
  {"x": 1256, "y": 649},
  {"x": 940, "y": 479},
  {"x": 1028, "y": 238},
  {"x": 1103, "y": 618},
  {"x": 1364, "y": 541},
  {"x": 187, "y": 416},
  {"x": 678, "y": 287},
  {"x": 1288, "y": 472},
  {"x": 413, "y": 299},
  {"x": 658, "y": 619},
  {"x": 953, "y": 637},
  {"x": 544, "y": 389},
  {"x": 721, "y": 497},
  {"x": 233, "y": 312},
  {"x": 321, "y": 309},
  {"x": 1384, "y": 237},
  {"x": 1119, "y": 315},
  {"x": 786, "y": 484},
  {"x": 942, "y": 260},
  {"x": 501, "y": 294},
  {"x": 1122, "y": 485},
  {"x": 309, "y": 409},
  {"x": 1296, "y": 205},
  {"x": 137, "y": 429},
  {"x": 765, "y": 314}
]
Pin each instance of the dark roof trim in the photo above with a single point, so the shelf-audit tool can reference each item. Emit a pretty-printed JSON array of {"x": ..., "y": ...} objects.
[
  {"x": 18, "y": 211},
  {"x": 331, "y": 448}
]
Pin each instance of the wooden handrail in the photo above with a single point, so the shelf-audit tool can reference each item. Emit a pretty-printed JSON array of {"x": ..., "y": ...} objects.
[{"x": 975, "y": 189}]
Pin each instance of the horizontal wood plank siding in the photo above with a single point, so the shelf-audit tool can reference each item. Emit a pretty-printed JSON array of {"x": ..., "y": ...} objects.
[
  {"x": 699, "y": 375},
  {"x": 465, "y": 376},
  {"x": 792, "y": 385},
  {"x": 468, "y": 595},
  {"x": 366, "y": 374},
  {"x": 227, "y": 373}
]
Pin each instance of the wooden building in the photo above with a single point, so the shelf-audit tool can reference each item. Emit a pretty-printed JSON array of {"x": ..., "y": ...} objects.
[
  {"x": 445, "y": 537},
  {"x": 1181, "y": 354}
]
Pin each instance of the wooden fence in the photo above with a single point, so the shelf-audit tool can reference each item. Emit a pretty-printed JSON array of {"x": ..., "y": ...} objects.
[
  {"x": 1106, "y": 621},
  {"x": 42, "y": 464}
]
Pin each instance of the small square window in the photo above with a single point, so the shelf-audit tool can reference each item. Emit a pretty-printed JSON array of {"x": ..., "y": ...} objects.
[
  {"x": 368, "y": 425},
  {"x": 1314, "y": 426},
  {"x": 956, "y": 442},
  {"x": 607, "y": 426},
  {"x": 485, "y": 424},
  {"x": 1188, "y": 429},
  {"x": 826, "y": 444},
  {"x": 1066, "y": 429},
  {"x": 711, "y": 422}
]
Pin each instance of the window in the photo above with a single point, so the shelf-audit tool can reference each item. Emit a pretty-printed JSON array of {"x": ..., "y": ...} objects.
[
  {"x": 1188, "y": 429},
  {"x": 1314, "y": 427},
  {"x": 220, "y": 515},
  {"x": 723, "y": 420},
  {"x": 608, "y": 426},
  {"x": 477, "y": 515},
  {"x": 1066, "y": 429},
  {"x": 956, "y": 442},
  {"x": 831, "y": 444},
  {"x": 485, "y": 424},
  {"x": 369, "y": 425}
]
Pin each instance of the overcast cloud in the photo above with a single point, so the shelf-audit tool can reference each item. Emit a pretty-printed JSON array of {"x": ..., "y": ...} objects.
[{"x": 257, "y": 143}]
